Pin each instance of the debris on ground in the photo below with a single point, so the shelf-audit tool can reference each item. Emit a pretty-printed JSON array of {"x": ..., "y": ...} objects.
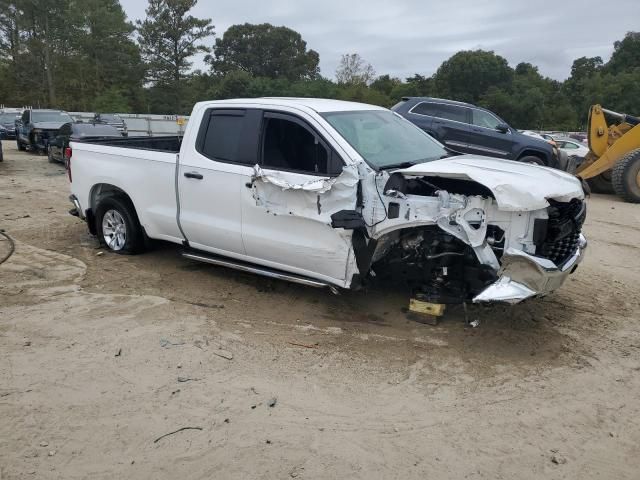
[
  {"x": 315, "y": 345},
  {"x": 272, "y": 403},
  {"x": 118, "y": 352},
  {"x": 558, "y": 459},
  {"x": 164, "y": 343},
  {"x": 224, "y": 354},
  {"x": 176, "y": 431},
  {"x": 187, "y": 379}
]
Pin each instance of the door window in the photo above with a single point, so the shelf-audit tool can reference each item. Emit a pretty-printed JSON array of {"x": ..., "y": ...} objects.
[
  {"x": 442, "y": 110},
  {"x": 485, "y": 119},
  {"x": 288, "y": 145},
  {"x": 428, "y": 109}
]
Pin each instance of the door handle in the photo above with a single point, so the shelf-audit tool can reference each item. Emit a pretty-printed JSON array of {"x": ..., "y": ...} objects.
[{"x": 195, "y": 175}]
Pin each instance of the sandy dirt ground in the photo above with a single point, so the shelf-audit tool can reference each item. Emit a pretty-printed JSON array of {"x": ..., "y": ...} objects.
[{"x": 101, "y": 355}]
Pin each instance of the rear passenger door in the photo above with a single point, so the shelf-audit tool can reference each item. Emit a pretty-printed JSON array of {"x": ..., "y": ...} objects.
[
  {"x": 212, "y": 176},
  {"x": 485, "y": 139},
  {"x": 286, "y": 214},
  {"x": 449, "y": 125}
]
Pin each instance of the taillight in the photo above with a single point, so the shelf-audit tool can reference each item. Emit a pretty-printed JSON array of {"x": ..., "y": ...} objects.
[{"x": 67, "y": 155}]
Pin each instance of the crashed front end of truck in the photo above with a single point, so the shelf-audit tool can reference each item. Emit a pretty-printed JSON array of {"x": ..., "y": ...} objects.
[
  {"x": 454, "y": 231},
  {"x": 458, "y": 245}
]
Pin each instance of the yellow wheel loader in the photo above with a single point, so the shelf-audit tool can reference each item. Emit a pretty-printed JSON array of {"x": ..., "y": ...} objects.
[{"x": 613, "y": 162}]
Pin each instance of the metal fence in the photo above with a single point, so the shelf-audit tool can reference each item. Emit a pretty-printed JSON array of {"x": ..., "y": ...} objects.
[{"x": 140, "y": 125}]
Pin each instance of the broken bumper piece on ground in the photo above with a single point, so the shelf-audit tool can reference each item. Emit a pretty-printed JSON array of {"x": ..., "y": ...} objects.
[{"x": 524, "y": 276}]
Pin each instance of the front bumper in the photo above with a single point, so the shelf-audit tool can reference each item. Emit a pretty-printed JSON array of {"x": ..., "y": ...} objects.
[{"x": 524, "y": 276}]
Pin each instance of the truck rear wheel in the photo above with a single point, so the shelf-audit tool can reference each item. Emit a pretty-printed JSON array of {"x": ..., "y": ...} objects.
[
  {"x": 601, "y": 183},
  {"x": 625, "y": 177},
  {"x": 118, "y": 227}
]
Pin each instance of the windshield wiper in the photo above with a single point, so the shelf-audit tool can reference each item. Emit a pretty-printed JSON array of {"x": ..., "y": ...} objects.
[{"x": 399, "y": 165}]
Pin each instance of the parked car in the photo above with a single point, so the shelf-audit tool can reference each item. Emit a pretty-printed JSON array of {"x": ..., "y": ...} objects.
[
  {"x": 1, "y": 154},
  {"x": 325, "y": 193},
  {"x": 3, "y": 133},
  {"x": 465, "y": 128},
  {"x": 36, "y": 128},
  {"x": 77, "y": 131},
  {"x": 113, "y": 120},
  {"x": 541, "y": 136},
  {"x": 8, "y": 125},
  {"x": 572, "y": 147}
]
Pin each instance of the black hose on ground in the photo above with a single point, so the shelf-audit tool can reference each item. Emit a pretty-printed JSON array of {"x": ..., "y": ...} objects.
[{"x": 12, "y": 246}]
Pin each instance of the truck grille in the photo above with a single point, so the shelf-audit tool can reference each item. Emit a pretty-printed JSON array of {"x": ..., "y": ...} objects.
[{"x": 563, "y": 231}]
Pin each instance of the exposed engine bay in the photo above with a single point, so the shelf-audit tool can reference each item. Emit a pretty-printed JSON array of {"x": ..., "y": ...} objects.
[{"x": 459, "y": 254}]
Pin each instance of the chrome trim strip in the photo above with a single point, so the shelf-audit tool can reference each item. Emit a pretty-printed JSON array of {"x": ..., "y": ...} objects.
[{"x": 456, "y": 121}]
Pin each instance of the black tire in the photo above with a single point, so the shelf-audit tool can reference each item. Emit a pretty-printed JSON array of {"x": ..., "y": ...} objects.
[
  {"x": 532, "y": 159},
  {"x": 134, "y": 237},
  {"x": 20, "y": 145},
  {"x": 601, "y": 183},
  {"x": 625, "y": 177},
  {"x": 50, "y": 156}
]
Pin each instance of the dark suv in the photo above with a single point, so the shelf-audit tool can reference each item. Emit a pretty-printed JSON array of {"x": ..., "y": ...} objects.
[{"x": 465, "y": 128}]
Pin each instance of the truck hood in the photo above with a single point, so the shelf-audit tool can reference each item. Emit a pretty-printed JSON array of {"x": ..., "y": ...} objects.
[
  {"x": 516, "y": 186},
  {"x": 48, "y": 125}
]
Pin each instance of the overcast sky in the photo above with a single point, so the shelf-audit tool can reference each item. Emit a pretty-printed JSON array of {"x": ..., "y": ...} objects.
[{"x": 403, "y": 37}]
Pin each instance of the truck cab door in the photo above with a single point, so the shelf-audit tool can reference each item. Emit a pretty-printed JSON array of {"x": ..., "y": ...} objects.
[
  {"x": 286, "y": 209},
  {"x": 211, "y": 175}
]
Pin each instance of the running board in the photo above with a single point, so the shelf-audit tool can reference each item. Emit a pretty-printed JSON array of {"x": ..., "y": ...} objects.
[{"x": 264, "y": 271}]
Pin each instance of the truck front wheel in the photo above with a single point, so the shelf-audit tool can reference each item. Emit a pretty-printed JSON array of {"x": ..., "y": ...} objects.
[
  {"x": 118, "y": 226},
  {"x": 625, "y": 177}
]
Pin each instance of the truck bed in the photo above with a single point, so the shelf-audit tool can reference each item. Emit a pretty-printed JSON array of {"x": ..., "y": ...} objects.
[{"x": 167, "y": 144}]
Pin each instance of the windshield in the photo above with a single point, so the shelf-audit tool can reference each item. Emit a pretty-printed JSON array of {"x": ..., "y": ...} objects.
[
  {"x": 8, "y": 117},
  {"x": 58, "y": 117},
  {"x": 384, "y": 139}
]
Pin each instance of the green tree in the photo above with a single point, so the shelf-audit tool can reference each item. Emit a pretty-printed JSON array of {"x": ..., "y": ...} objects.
[
  {"x": 354, "y": 70},
  {"x": 626, "y": 54},
  {"x": 264, "y": 51},
  {"x": 168, "y": 39},
  {"x": 467, "y": 75},
  {"x": 386, "y": 84}
]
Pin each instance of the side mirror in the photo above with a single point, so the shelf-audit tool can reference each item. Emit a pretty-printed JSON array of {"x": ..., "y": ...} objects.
[{"x": 503, "y": 128}]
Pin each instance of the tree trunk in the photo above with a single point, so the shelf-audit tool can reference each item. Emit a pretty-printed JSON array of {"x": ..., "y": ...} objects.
[{"x": 47, "y": 64}]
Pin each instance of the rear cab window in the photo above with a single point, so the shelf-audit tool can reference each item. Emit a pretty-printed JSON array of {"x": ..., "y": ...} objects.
[{"x": 230, "y": 136}]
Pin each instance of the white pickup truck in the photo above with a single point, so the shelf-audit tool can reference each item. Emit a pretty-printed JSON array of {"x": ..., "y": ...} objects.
[{"x": 331, "y": 194}]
